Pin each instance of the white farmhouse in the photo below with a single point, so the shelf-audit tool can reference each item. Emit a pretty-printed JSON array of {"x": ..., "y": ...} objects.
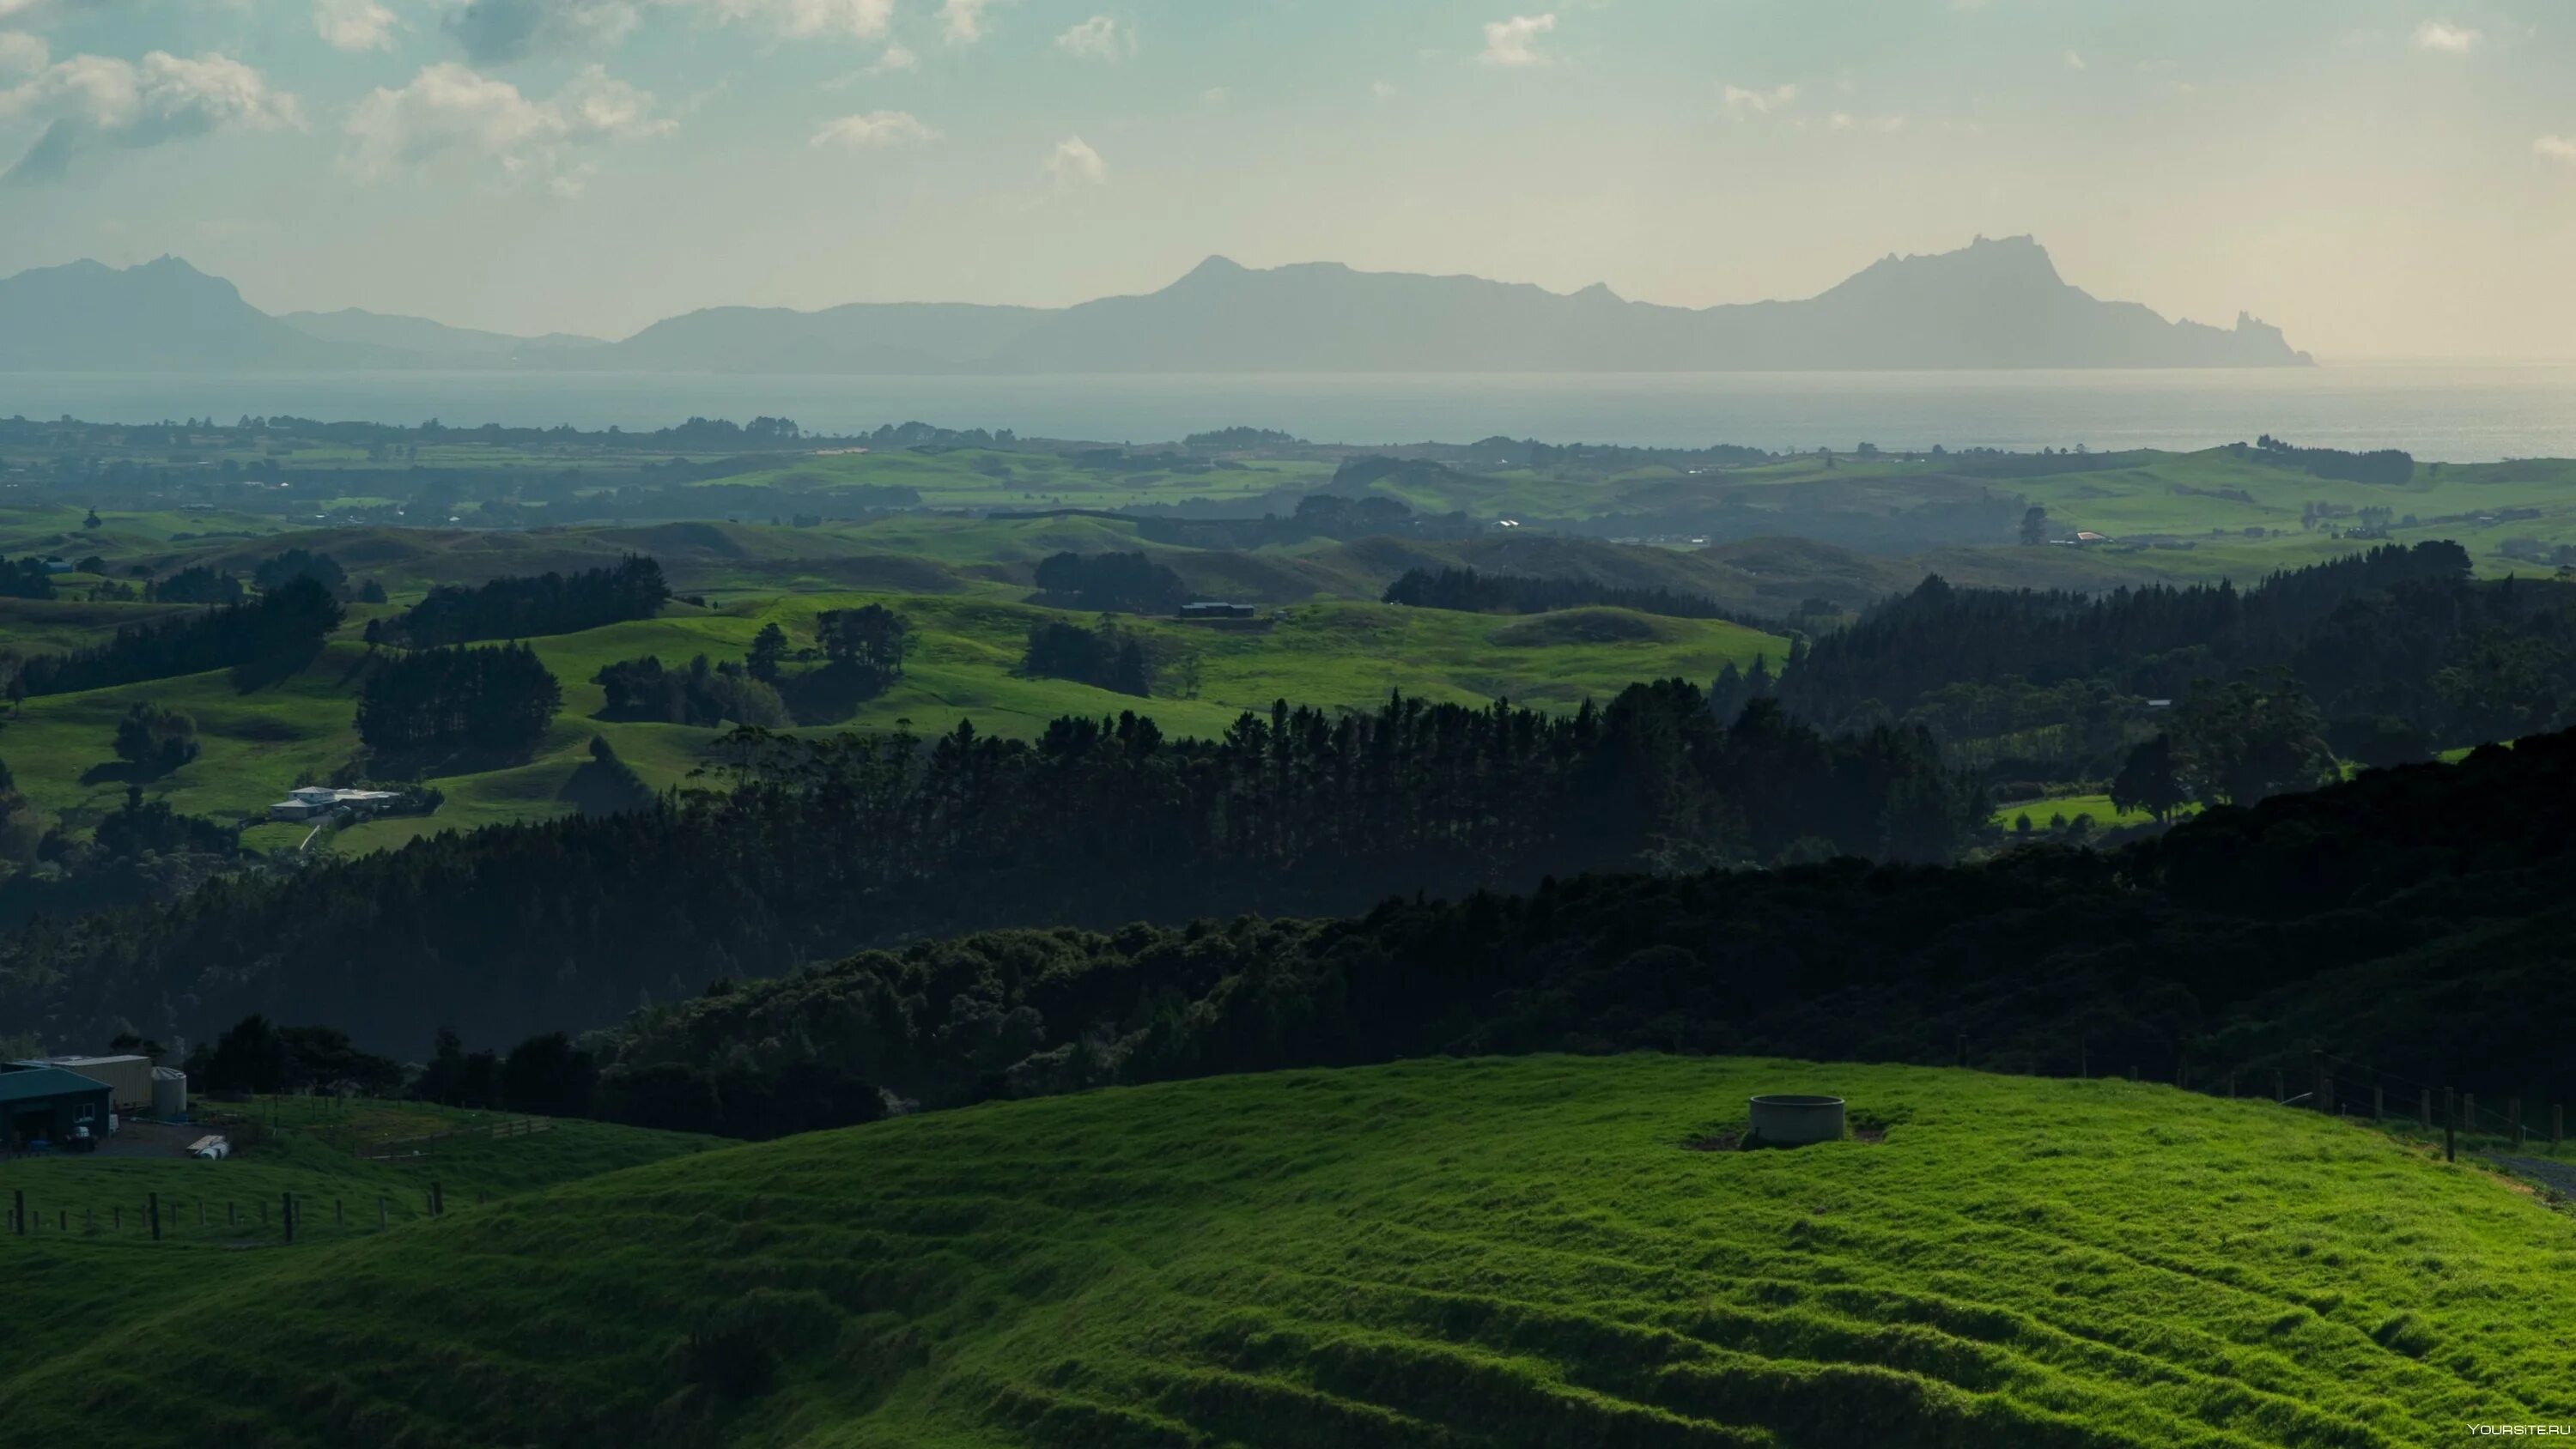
[{"x": 306, "y": 801}]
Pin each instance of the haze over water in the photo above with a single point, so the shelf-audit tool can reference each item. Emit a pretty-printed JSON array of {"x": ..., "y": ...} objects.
[{"x": 2450, "y": 411}]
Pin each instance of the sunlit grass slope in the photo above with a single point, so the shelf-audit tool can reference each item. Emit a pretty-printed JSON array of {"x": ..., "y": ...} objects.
[{"x": 1454, "y": 1253}]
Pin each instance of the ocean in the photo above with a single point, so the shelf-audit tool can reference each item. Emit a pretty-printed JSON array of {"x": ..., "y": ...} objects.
[{"x": 2457, "y": 412}]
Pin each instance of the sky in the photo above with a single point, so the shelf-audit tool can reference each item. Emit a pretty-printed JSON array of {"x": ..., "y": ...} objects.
[{"x": 2379, "y": 179}]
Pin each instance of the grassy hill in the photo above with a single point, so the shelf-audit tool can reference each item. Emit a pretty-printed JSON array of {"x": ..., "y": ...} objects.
[
  {"x": 1455, "y": 1253},
  {"x": 259, "y": 742}
]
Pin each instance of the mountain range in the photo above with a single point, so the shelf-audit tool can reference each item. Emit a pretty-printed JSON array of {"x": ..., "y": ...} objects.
[{"x": 1993, "y": 304}]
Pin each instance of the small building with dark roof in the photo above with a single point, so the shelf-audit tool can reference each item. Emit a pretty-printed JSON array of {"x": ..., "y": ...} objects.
[{"x": 46, "y": 1103}]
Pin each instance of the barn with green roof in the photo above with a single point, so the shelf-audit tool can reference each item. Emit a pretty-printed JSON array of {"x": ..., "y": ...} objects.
[{"x": 43, "y": 1104}]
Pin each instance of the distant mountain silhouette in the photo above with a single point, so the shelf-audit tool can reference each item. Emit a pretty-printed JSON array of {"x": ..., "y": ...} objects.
[
  {"x": 1992, "y": 304},
  {"x": 424, "y": 337},
  {"x": 162, "y": 315}
]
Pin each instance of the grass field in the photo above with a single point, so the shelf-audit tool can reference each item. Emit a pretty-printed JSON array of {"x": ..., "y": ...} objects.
[
  {"x": 259, "y": 743},
  {"x": 1455, "y": 1253}
]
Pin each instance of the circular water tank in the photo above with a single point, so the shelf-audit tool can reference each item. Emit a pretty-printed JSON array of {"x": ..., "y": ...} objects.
[
  {"x": 1790, "y": 1120},
  {"x": 169, "y": 1094}
]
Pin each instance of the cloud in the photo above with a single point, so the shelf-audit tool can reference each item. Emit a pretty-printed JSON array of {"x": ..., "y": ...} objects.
[
  {"x": 354, "y": 25},
  {"x": 1741, "y": 102},
  {"x": 1215, "y": 96},
  {"x": 873, "y": 131},
  {"x": 2449, "y": 39},
  {"x": 450, "y": 110},
  {"x": 1099, "y": 38},
  {"x": 2556, "y": 148},
  {"x": 96, "y": 103},
  {"x": 1382, "y": 89},
  {"x": 963, "y": 20},
  {"x": 21, "y": 53},
  {"x": 2074, "y": 61},
  {"x": 1074, "y": 163},
  {"x": 493, "y": 32},
  {"x": 1514, "y": 42},
  {"x": 896, "y": 57}
]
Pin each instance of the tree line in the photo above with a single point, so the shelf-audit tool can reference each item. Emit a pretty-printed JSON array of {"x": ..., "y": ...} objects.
[
  {"x": 2381, "y": 919},
  {"x": 527, "y": 607},
  {"x": 1467, "y": 591},
  {"x": 819, "y": 847},
  {"x": 285, "y": 625}
]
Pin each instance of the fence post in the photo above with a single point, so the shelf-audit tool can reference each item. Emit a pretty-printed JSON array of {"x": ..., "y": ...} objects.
[
  {"x": 380, "y": 1215},
  {"x": 2450, "y": 1126},
  {"x": 2469, "y": 1109},
  {"x": 2280, "y": 1088},
  {"x": 154, "y": 1207},
  {"x": 2325, "y": 1085},
  {"x": 2424, "y": 1106},
  {"x": 286, "y": 1213},
  {"x": 18, "y": 1211},
  {"x": 2513, "y": 1119},
  {"x": 2378, "y": 1103},
  {"x": 232, "y": 1214}
]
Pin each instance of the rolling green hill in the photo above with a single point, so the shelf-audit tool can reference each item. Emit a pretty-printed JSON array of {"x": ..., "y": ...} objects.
[
  {"x": 1454, "y": 1253},
  {"x": 260, "y": 742}
]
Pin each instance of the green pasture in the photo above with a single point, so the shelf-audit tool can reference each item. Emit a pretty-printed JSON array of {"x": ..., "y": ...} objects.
[{"x": 1456, "y": 1253}]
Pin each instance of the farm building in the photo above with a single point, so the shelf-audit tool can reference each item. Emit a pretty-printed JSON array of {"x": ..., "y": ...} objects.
[
  {"x": 128, "y": 1077},
  {"x": 1217, "y": 609},
  {"x": 44, "y": 1104},
  {"x": 306, "y": 801}
]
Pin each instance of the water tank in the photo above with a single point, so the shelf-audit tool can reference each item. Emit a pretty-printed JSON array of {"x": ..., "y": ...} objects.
[
  {"x": 1789, "y": 1120},
  {"x": 169, "y": 1094}
]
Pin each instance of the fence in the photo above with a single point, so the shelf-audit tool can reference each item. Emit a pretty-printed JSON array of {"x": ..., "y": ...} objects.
[{"x": 224, "y": 1220}]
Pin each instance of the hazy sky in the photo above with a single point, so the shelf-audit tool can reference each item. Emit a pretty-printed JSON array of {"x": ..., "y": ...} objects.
[{"x": 2380, "y": 179}]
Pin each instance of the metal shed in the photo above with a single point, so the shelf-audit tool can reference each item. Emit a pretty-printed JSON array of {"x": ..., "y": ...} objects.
[
  {"x": 128, "y": 1077},
  {"x": 45, "y": 1103}
]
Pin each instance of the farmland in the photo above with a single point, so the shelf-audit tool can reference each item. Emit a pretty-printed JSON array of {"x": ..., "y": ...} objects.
[{"x": 1436, "y": 1252}]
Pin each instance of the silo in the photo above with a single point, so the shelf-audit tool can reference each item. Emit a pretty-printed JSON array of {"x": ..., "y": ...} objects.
[{"x": 169, "y": 1094}]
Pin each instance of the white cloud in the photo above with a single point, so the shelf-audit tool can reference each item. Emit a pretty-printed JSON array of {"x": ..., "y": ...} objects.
[
  {"x": 95, "y": 102},
  {"x": 1741, "y": 102},
  {"x": 897, "y": 57},
  {"x": 449, "y": 109},
  {"x": 963, "y": 21},
  {"x": 501, "y": 30},
  {"x": 21, "y": 53},
  {"x": 1215, "y": 96},
  {"x": 2447, "y": 38},
  {"x": 1381, "y": 89},
  {"x": 1099, "y": 38},
  {"x": 2556, "y": 148},
  {"x": 1514, "y": 42},
  {"x": 2074, "y": 61},
  {"x": 1839, "y": 121},
  {"x": 807, "y": 19},
  {"x": 354, "y": 24},
  {"x": 1074, "y": 163},
  {"x": 873, "y": 131}
]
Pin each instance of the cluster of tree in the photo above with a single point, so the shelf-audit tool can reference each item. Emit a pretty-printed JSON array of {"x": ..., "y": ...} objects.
[
  {"x": 299, "y": 563},
  {"x": 1243, "y": 437},
  {"x": 1122, "y": 583},
  {"x": 256, "y": 1055},
  {"x": 1107, "y": 657},
  {"x": 26, "y": 578},
  {"x": 869, "y": 642},
  {"x": 705, "y": 694},
  {"x": 1470, "y": 592},
  {"x": 196, "y": 584},
  {"x": 2395, "y": 634},
  {"x": 491, "y": 703},
  {"x": 136, "y": 853},
  {"x": 283, "y": 626},
  {"x": 154, "y": 740},
  {"x": 522, "y": 608},
  {"x": 2382, "y": 920},
  {"x": 2387, "y": 465},
  {"x": 822, "y": 847}
]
